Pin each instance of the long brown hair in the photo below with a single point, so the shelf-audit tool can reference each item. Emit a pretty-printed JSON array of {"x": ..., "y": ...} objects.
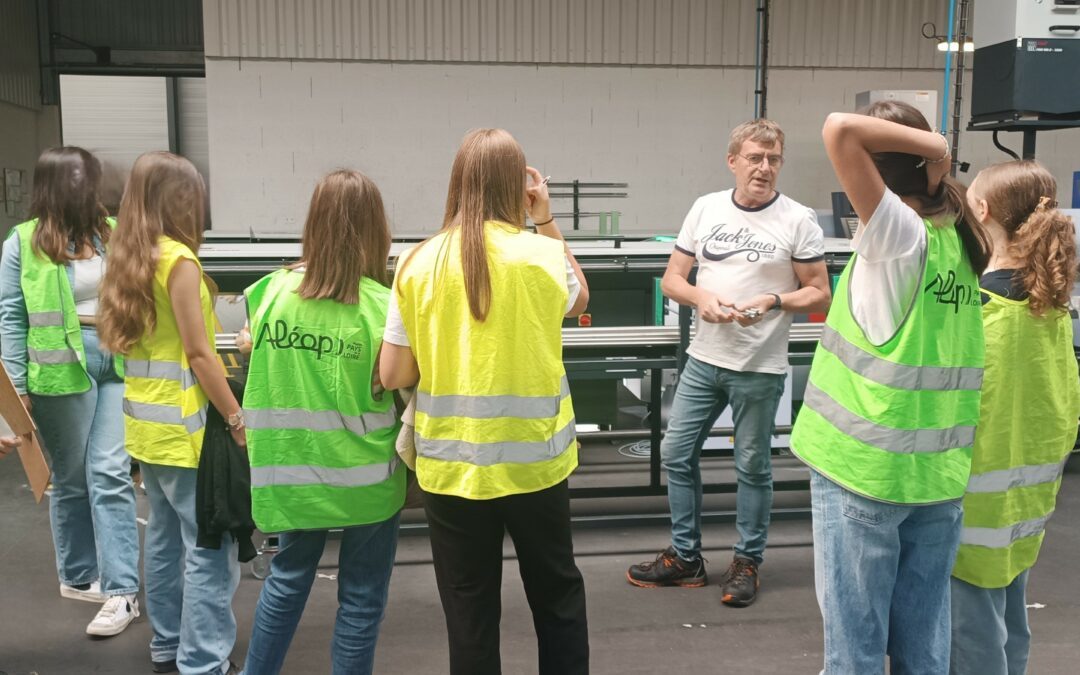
[
  {"x": 905, "y": 175},
  {"x": 164, "y": 195},
  {"x": 66, "y": 200},
  {"x": 346, "y": 237},
  {"x": 487, "y": 182},
  {"x": 1021, "y": 197}
]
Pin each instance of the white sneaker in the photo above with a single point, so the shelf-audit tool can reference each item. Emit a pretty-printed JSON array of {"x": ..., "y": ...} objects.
[
  {"x": 92, "y": 594},
  {"x": 117, "y": 613}
]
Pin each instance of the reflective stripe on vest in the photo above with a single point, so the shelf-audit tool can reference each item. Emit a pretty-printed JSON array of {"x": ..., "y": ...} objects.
[
  {"x": 317, "y": 420},
  {"x": 1020, "y": 476},
  {"x": 489, "y": 407},
  {"x": 1002, "y": 537},
  {"x": 487, "y": 454},
  {"x": 905, "y": 441},
  {"x": 161, "y": 370},
  {"x": 43, "y": 319},
  {"x": 348, "y": 477},
  {"x": 165, "y": 414},
  {"x": 898, "y": 375},
  {"x": 52, "y": 357}
]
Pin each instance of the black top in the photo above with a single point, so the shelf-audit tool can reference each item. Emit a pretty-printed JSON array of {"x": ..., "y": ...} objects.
[{"x": 1006, "y": 283}]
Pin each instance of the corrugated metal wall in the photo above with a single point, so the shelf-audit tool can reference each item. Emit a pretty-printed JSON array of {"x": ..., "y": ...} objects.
[
  {"x": 805, "y": 33},
  {"x": 19, "y": 75},
  {"x": 130, "y": 24}
]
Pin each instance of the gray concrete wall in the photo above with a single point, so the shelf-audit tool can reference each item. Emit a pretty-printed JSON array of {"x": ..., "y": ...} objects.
[
  {"x": 277, "y": 125},
  {"x": 24, "y": 133}
]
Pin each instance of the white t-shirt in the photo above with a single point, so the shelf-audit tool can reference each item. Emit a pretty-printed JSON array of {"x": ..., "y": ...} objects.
[
  {"x": 394, "y": 333},
  {"x": 743, "y": 252},
  {"x": 88, "y": 274},
  {"x": 891, "y": 252}
]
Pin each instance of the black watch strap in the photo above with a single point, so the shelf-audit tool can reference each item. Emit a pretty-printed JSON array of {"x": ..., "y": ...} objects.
[{"x": 776, "y": 303}]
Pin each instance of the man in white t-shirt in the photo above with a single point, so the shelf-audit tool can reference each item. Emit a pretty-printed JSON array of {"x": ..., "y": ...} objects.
[{"x": 760, "y": 258}]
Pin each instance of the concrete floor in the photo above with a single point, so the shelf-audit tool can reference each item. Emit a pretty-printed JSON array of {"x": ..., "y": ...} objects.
[{"x": 631, "y": 630}]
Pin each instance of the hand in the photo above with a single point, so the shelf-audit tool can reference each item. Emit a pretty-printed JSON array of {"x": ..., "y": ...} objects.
[
  {"x": 715, "y": 309},
  {"x": 243, "y": 341},
  {"x": 753, "y": 310},
  {"x": 8, "y": 443},
  {"x": 537, "y": 201},
  {"x": 27, "y": 403},
  {"x": 935, "y": 171},
  {"x": 239, "y": 436}
]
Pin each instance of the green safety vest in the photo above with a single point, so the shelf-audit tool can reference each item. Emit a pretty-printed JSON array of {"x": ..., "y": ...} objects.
[
  {"x": 494, "y": 415},
  {"x": 1027, "y": 428},
  {"x": 896, "y": 422},
  {"x": 321, "y": 446},
  {"x": 55, "y": 354}
]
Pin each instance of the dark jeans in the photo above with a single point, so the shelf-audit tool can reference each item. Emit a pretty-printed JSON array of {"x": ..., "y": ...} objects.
[{"x": 466, "y": 543}]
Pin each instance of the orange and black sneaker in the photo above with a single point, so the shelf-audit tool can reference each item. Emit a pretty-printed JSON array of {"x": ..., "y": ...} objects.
[
  {"x": 741, "y": 583},
  {"x": 668, "y": 570}
]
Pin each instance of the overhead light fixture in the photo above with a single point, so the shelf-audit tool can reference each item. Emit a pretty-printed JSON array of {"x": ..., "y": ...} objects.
[{"x": 945, "y": 46}]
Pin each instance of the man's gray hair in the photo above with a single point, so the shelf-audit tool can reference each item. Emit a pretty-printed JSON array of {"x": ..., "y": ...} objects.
[{"x": 763, "y": 131}]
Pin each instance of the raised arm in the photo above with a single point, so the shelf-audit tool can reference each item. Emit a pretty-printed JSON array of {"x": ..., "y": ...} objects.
[{"x": 850, "y": 142}]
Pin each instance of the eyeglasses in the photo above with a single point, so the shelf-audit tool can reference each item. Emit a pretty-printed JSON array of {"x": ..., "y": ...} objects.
[{"x": 775, "y": 161}]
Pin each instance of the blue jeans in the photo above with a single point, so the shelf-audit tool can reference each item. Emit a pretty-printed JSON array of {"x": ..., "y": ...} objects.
[
  {"x": 365, "y": 561},
  {"x": 703, "y": 392},
  {"x": 882, "y": 577},
  {"x": 189, "y": 590},
  {"x": 92, "y": 507},
  {"x": 990, "y": 634}
]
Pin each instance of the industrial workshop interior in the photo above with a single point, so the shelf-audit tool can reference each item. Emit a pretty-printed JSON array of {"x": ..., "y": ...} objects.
[{"x": 539, "y": 336}]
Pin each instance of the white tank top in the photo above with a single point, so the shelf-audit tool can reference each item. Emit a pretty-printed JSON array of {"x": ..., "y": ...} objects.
[{"x": 88, "y": 275}]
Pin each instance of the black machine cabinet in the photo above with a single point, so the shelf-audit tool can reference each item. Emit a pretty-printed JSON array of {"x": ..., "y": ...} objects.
[{"x": 1027, "y": 77}]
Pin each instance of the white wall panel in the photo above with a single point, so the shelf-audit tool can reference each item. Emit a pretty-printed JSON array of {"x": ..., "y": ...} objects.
[
  {"x": 276, "y": 127},
  {"x": 117, "y": 118}
]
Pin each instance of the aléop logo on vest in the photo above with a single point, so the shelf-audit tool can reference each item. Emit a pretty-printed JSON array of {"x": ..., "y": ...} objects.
[
  {"x": 947, "y": 292},
  {"x": 721, "y": 244},
  {"x": 280, "y": 335}
]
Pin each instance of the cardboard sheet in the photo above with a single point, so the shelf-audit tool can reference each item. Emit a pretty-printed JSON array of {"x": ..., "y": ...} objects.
[{"x": 19, "y": 422}]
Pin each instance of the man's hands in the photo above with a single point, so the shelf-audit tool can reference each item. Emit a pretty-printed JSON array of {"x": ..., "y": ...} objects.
[
  {"x": 753, "y": 310},
  {"x": 716, "y": 309},
  {"x": 8, "y": 443}
]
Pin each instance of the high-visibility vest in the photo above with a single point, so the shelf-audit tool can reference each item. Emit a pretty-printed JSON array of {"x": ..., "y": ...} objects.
[
  {"x": 321, "y": 445},
  {"x": 1027, "y": 428},
  {"x": 895, "y": 422},
  {"x": 164, "y": 406},
  {"x": 493, "y": 409},
  {"x": 55, "y": 354}
]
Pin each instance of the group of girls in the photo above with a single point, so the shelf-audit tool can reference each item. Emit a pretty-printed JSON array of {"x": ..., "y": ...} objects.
[{"x": 473, "y": 321}]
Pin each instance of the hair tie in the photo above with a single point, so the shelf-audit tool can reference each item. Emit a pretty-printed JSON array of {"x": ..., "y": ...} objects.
[{"x": 1046, "y": 203}]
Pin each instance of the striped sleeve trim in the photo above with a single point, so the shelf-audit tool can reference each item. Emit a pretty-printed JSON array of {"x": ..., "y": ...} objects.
[
  {"x": 814, "y": 259},
  {"x": 680, "y": 249}
]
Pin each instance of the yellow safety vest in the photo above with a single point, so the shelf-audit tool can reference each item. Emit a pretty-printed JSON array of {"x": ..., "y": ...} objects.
[
  {"x": 895, "y": 422},
  {"x": 164, "y": 406},
  {"x": 1027, "y": 428},
  {"x": 493, "y": 412},
  {"x": 55, "y": 354}
]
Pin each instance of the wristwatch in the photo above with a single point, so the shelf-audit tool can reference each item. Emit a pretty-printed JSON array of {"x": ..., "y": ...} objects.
[
  {"x": 776, "y": 303},
  {"x": 236, "y": 420}
]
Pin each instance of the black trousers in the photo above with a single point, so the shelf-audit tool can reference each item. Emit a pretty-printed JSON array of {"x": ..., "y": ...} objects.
[{"x": 466, "y": 542}]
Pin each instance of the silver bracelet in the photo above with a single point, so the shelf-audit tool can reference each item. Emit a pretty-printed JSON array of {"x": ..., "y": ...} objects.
[{"x": 948, "y": 151}]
